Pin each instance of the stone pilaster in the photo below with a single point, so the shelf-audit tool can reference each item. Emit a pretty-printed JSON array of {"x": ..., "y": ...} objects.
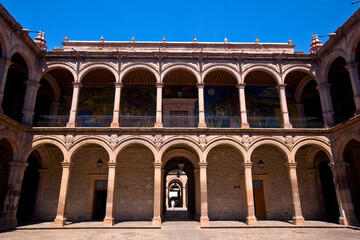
[
  {"x": 298, "y": 218},
  {"x": 74, "y": 105},
  {"x": 355, "y": 83},
  {"x": 200, "y": 87},
  {"x": 3, "y": 75},
  {"x": 11, "y": 201},
  {"x": 159, "y": 87},
  {"x": 32, "y": 88},
  {"x": 204, "y": 219},
  {"x": 326, "y": 104},
  {"x": 283, "y": 106},
  {"x": 243, "y": 113},
  {"x": 116, "y": 113},
  {"x": 251, "y": 218},
  {"x": 157, "y": 195},
  {"x": 40, "y": 192},
  {"x": 60, "y": 219},
  {"x": 109, "y": 213}
]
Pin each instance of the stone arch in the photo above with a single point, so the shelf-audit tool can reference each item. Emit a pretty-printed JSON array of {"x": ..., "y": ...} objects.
[
  {"x": 29, "y": 59},
  {"x": 87, "y": 141},
  {"x": 51, "y": 66},
  {"x": 227, "y": 142},
  {"x": 267, "y": 141},
  {"x": 182, "y": 141},
  {"x": 94, "y": 66},
  {"x": 352, "y": 44},
  {"x": 54, "y": 85},
  {"x": 222, "y": 67},
  {"x": 132, "y": 141},
  {"x": 302, "y": 85},
  {"x": 319, "y": 143},
  {"x": 301, "y": 68},
  {"x": 266, "y": 68},
  {"x": 5, "y": 42},
  {"x": 180, "y": 153},
  {"x": 328, "y": 60},
  {"x": 185, "y": 67},
  {"x": 344, "y": 139},
  {"x": 132, "y": 67},
  {"x": 13, "y": 139},
  {"x": 38, "y": 143}
]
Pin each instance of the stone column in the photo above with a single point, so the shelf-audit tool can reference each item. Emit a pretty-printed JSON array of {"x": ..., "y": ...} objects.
[
  {"x": 326, "y": 104},
  {"x": 355, "y": 83},
  {"x": 159, "y": 87},
  {"x": 184, "y": 197},
  {"x": 251, "y": 218},
  {"x": 343, "y": 194},
  {"x": 314, "y": 195},
  {"x": 74, "y": 105},
  {"x": 157, "y": 194},
  {"x": 11, "y": 200},
  {"x": 301, "y": 114},
  {"x": 32, "y": 88},
  {"x": 243, "y": 113},
  {"x": 298, "y": 218},
  {"x": 204, "y": 219},
  {"x": 40, "y": 192},
  {"x": 116, "y": 113},
  {"x": 60, "y": 219},
  {"x": 6, "y": 64},
  {"x": 200, "y": 87},
  {"x": 197, "y": 192},
  {"x": 109, "y": 213},
  {"x": 167, "y": 197},
  {"x": 283, "y": 106}
]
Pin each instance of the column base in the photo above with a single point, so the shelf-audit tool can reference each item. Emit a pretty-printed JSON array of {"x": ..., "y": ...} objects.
[
  {"x": 202, "y": 125},
  {"x": 108, "y": 222},
  {"x": 343, "y": 221},
  {"x": 158, "y": 125},
  {"x": 8, "y": 222},
  {"x": 115, "y": 124},
  {"x": 287, "y": 125},
  {"x": 245, "y": 125},
  {"x": 156, "y": 221},
  {"x": 59, "y": 222},
  {"x": 204, "y": 221},
  {"x": 251, "y": 221},
  {"x": 70, "y": 125},
  {"x": 298, "y": 221}
]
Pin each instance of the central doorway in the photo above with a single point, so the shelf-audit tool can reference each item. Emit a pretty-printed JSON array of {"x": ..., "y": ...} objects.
[
  {"x": 100, "y": 193},
  {"x": 179, "y": 190}
]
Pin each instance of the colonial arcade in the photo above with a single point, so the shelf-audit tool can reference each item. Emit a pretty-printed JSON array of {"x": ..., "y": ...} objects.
[{"x": 240, "y": 131}]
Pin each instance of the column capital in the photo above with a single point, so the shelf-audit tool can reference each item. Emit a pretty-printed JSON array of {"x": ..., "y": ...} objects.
[
  {"x": 66, "y": 164},
  {"x": 323, "y": 86},
  {"x": 292, "y": 164},
  {"x": 77, "y": 85},
  {"x": 351, "y": 65},
  {"x": 203, "y": 164},
  {"x": 281, "y": 86},
  {"x": 112, "y": 164},
  {"x": 32, "y": 83},
  {"x": 18, "y": 164},
  {"x": 159, "y": 85},
  {"x": 248, "y": 164},
  {"x": 157, "y": 164},
  {"x": 118, "y": 85},
  {"x": 200, "y": 85},
  {"x": 196, "y": 170},
  {"x": 240, "y": 85}
]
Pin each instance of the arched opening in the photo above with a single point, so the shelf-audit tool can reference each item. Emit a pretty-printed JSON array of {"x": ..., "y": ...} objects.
[
  {"x": 221, "y": 100},
  {"x": 180, "y": 96},
  {"x": 134, "y": 188},
  {"x": 303, "y": 100},
  {"x": 6, "y": 156},
  {"x": 357, "y": 57},
  {"x": 88, "y": 184},
  {"x": 53, "y": 101},
  {"x": 226, "y": 195},
  {"x": 14, "y": 91},
  {"x": 29, "y": 189},
  {"x": 262, "y": 100},
  {"x": 271, "y": 184},
  {"x": 96, "y": 99},
  {"x": 351, "y": 156},
  {"x": 138, "y": 99},
  {"x": 341, "y": 91},
  {"x": 179, "y": 169}
]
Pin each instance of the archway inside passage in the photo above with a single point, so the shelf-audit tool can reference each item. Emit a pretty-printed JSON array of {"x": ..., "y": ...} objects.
[{"x": 179, "y": 188}]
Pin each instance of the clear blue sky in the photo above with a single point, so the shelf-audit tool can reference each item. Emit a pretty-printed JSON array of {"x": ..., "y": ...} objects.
[{"x": 182, "y": 20}]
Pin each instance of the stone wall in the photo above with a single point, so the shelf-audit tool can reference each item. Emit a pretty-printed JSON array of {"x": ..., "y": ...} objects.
[
  {"x": 226, "y": 201},
  {"x": 134, "y": 188}
]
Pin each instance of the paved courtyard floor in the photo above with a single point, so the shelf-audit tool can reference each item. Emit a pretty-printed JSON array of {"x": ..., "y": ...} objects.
[{"x": 185, "y": 230}]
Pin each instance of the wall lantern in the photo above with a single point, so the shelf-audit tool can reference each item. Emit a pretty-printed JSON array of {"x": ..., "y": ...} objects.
[
  {"x": 261, "y": 164},
  {"x": 181, "y": 165},
  {"x": 179, "y": 93},
  {"x": 99, "y": 163}
]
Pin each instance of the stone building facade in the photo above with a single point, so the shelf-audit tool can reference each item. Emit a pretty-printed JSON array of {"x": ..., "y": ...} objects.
[{"x": 92, "y": 130}]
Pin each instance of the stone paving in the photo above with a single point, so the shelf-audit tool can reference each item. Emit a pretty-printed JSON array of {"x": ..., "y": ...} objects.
[{"x": 185, "y": 230}]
